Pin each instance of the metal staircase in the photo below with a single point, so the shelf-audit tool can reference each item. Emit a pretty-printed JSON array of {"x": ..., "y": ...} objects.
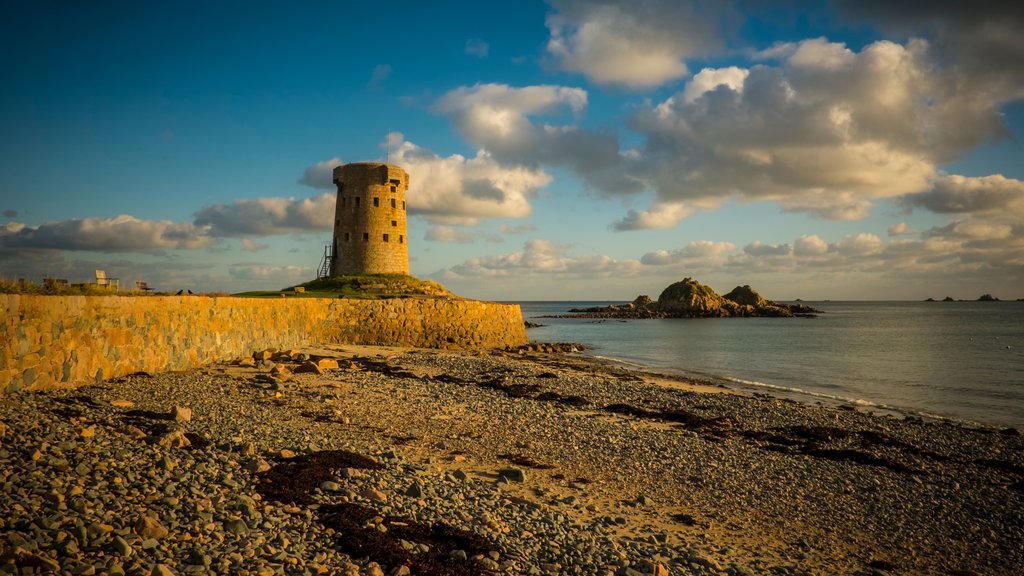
[{"x": 324, "y": 270}]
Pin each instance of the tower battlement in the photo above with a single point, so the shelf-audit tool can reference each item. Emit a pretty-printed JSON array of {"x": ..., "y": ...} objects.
[{"x": 370, "y": 220}]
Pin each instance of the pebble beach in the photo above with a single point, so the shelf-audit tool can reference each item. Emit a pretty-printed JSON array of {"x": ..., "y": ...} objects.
[{"x": 541, "y": 460}]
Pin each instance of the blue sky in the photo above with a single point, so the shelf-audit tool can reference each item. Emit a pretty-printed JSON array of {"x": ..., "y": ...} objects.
[{"x": 557, "y": 150}]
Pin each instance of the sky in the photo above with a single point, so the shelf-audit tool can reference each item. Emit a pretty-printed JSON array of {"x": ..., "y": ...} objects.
[{"x": 560, "y": 150}]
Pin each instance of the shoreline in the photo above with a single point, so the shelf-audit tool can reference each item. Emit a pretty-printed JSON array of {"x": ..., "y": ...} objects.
[
  {"x": 799, "y": 395},
  {"x": 543, "y": 463}
]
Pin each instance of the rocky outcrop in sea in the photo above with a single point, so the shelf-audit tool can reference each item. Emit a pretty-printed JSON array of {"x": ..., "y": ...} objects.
[{"x": 689, "y": 298}]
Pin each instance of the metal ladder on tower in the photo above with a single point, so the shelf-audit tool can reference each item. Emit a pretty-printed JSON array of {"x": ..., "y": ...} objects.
[{"x": 324, "y": 270}]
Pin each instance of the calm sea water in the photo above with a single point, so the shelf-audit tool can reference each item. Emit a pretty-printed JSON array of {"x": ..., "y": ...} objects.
[{"x": 958, "y": 360}]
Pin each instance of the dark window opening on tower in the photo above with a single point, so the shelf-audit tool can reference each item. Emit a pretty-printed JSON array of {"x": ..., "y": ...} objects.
[
  {"x": 392, "y": 202},
  {"x": 357, "y": 201},
  {"x": 394, "y": 188},
  {"x": 366, "y": 236},
  {"x": 376, "y": 202},
  {"x": 395, "y": 182},
  {"x": 342, "y": 201},
  {"x": 403, "y": 204},
  {"x": 386, "y": 238},
  {"x": 346, "y": 236},
  {"x": 394, "y": 222},
  {"x": 401, "y": 239}
]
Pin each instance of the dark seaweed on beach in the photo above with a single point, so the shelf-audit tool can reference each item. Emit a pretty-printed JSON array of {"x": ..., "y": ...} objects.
[
  {"x": 293, "y": 481},
  {"x": 358, "y": 536},
  {"x": 524, "y": 460}
]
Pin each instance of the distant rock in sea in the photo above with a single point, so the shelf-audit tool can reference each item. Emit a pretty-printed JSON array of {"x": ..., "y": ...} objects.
[
  {"x": 689, "y": 298},
  {"x": 987, "y": 298},
  {"x": 948, "y": 299}
]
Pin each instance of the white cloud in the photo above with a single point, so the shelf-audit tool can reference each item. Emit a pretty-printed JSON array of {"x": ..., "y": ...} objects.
[
  {"x": 827, "y": 131},
  {"x": 698, "y": 255},
  {"x": 952, "y": 194},
  {"x": 122, "y": 233},
  {"x": 321, "y": 174},
  {"x": 858, "y": 245},
  {"x": 756, "y": 248},
  {"x": 499, "y": 119},
  {"x": 477, "y": 47},
  {"x": 710, "y": 79},
  {"x": 640, "y": 44},
  {"x": 809, "y": 245},
  {"x": 266, "y": 216},
  {"x": 543, "y": 258},
  {"x": 661, "y": 215},
  {"x": 460, "y": 190},
  {"x": 250, "y": 246},
  {"x": 901, "y": 229}
]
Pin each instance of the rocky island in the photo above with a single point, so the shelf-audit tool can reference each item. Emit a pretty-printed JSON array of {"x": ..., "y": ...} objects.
[{"x": 689, "y": 298}]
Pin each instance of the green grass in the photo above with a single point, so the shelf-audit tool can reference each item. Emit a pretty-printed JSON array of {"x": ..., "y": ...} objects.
[
  {"x": 11, "y": 287},
  {"x": 365, "y": 287}
]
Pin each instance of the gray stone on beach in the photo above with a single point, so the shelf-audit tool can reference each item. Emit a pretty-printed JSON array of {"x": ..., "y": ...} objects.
[{"x": 513, "y": 474}]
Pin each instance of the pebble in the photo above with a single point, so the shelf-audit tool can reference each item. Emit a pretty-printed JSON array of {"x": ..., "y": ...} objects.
[{"x": 137, "y": 497}]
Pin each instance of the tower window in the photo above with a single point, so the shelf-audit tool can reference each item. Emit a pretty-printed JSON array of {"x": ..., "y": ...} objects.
[
  {"x": 366, "y": 236},
  {"x": 357, "y": 201},
  {"x": 346, "y": 236},
  {"x": 337, "y": 223},
  {"x": 394, "y": 189},
  {"x": 403, "y": 204},
  {"x": 376, "y": 202},
  {"x": 385, "y": 237},
  {"x": 392, "y": 202},
  {"x": 394, "y": 222},
  {"x": 342, "y": 201},
  {"x": 401, "y": 239}
]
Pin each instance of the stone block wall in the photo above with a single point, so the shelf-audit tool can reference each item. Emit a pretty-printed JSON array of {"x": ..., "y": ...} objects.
[{"x": 51, "y": 341}]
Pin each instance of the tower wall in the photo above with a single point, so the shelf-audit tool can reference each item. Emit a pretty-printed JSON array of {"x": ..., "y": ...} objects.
[{"x": 370, "y": 220}]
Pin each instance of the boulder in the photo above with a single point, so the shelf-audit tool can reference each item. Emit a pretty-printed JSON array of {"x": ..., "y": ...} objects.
[
  {"x": 691, "y": 298},
  {"x": 746, "y": 296}
]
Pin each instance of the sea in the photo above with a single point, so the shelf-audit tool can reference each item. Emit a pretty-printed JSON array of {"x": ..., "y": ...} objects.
[{"x": 960, "y": 361}]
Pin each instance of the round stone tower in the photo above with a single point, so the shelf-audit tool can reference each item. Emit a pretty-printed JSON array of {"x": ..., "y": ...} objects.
[{"x": 369, "y": 220}]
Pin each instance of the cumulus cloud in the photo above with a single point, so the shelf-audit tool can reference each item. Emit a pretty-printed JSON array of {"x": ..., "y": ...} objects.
[
  {"x": 710, "y": 79},
  {"x": 118, "y": 234},
  {"x": 809, "y": 245},
  {"x": 456, "y": 189},
  {"x": 639, "y": 44},
  {"x": 502, "y": 120},
  {"x": 321, "y": 174},
  {"x": 662, "y": 215},
  {"x": 827, "y": 131},
  {"x": 267, "y": 216},
  {"x": 954, "y": 194},
  {"x": 756, "y": 248},
  {"x": 983, "y": 40},
  {"x": 477, "y": 47},
  {"x": 697, "y": 255},
  {"x": 901, "y": 229},
  {"x": 542, "y": 257}
]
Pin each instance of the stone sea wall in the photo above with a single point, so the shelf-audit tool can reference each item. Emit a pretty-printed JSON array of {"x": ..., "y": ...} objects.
[{"x": 49, "y": 341}]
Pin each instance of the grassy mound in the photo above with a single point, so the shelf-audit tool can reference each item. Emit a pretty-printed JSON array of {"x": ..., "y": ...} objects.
[{"x": 367, "y": 286}]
